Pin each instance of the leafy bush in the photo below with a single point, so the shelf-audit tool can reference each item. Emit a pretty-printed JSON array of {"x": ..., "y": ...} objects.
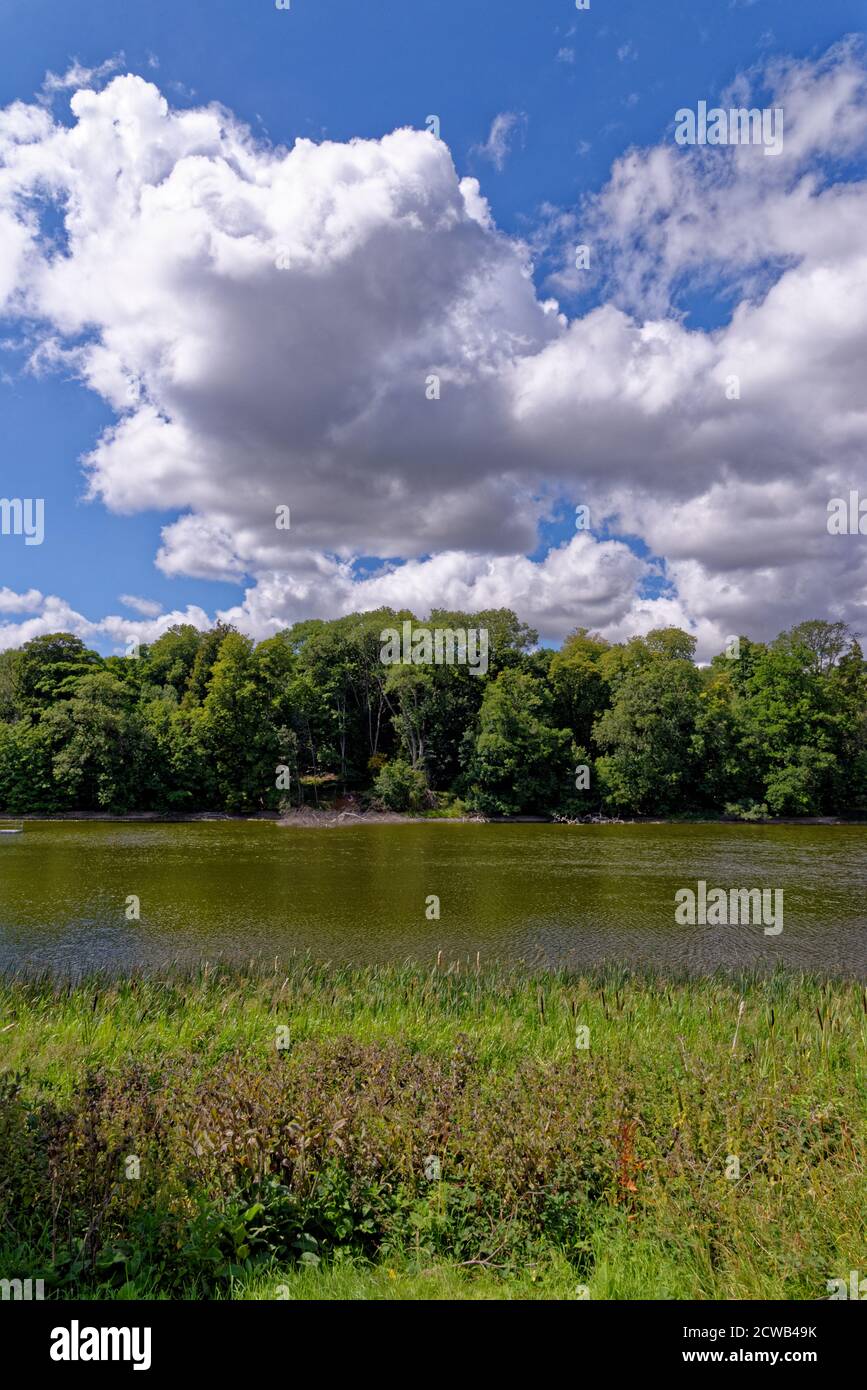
[
  {"x": 252, "y": 1159},
  {"x": 401, "y": 787}
]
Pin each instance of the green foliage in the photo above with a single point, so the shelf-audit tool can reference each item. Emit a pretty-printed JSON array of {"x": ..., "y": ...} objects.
[
  {"x": 100, "y": 750},
  {"x": 204, "y": 720},
  {"x": 48, "y": 668},
  {"x": 517, "y": 762},
  {"x": 611, "y": 1158},
  {"x": 170, "y": 660},
  {"x": 795, "y": 721},
  {"x": 401, "y": 787},
  {"x": 581, "y": 693},
  {"x": 647, "y": 735}
]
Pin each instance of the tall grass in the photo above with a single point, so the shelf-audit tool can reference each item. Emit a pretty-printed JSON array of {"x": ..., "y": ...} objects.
[{"x": 708, "y": 1142}]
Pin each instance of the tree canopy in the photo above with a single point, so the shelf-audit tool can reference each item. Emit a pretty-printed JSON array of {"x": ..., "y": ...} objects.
[{"x": 215, "y": 721}]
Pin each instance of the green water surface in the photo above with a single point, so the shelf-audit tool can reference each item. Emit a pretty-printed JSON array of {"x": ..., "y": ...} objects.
[{"x": 545, "y": 894}]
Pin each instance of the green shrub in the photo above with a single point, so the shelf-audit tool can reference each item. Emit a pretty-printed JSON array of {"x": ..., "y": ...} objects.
[
  {"x": 252, "y": 1159},
  {"x": 401, "y": 787}
]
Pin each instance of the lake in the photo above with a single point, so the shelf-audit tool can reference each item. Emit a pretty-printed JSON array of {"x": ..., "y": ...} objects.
[{"x": 546, "y": 894}]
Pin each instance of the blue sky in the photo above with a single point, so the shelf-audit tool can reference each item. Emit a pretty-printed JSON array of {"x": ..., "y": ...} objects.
[{"x": 579, "y": 88}]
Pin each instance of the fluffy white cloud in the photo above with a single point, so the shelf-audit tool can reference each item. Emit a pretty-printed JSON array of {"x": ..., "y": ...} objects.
[
  {"x": 267, "y": 325},
  {"x": 56, "y": 615},
  {"x": 11, "y": 602},
  {"x": 595, "y": 579}
]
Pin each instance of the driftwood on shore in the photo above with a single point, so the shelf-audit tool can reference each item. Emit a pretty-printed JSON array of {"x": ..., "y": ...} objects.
[{"x": 308, "y": 818}]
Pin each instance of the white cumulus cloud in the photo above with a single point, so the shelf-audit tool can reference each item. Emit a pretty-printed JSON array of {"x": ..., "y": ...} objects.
[{"x": 342, "y": 329}]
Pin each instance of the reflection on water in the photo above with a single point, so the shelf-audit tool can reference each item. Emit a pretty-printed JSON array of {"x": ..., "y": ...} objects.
[{"x": 547, "y": 894}]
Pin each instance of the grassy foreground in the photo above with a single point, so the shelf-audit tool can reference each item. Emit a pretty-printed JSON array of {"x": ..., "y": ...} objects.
[{"x": 269, "y": 1133}]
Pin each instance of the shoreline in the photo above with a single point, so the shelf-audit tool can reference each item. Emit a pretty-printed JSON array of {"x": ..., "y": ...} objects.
[{"x": 311, "y": 818}]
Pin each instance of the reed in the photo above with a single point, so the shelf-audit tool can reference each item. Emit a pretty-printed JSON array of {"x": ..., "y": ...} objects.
[{"x": 666, "y": 1158}]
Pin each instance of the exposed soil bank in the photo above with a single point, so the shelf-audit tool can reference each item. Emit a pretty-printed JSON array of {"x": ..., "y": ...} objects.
[
  {"x": 169, "y": 817},
  {"x": 309, "y": 819}
]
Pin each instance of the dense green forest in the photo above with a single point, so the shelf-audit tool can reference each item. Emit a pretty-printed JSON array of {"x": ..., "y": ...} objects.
[{"x": 214, "y": 721}]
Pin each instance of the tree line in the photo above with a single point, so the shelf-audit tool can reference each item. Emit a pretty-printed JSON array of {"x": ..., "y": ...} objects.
[{"x": 215, "y": 721}]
